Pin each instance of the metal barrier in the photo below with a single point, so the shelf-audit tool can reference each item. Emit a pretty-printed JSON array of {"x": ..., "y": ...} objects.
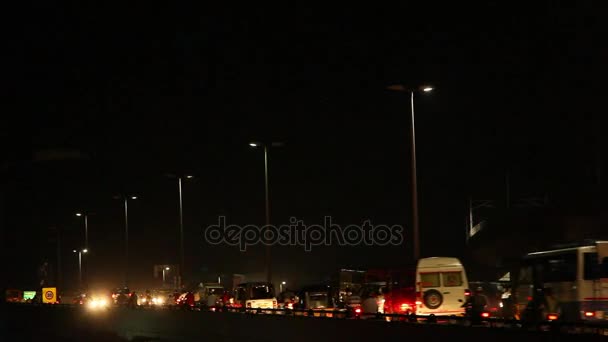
[{"x": 556, "y": 326}]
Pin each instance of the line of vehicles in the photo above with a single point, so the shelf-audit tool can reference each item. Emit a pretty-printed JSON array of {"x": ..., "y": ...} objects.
[{"x": 567, "y": 284}]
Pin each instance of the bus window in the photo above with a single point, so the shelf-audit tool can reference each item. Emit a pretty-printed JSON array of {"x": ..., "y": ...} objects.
[
  {"x": 430, "y": 279},
  {"x": 592, "y": 269},
  {"x": 557, "y": 268},
  {"x": 451, "y": 279},
  {"x": 525, "y": 275}
]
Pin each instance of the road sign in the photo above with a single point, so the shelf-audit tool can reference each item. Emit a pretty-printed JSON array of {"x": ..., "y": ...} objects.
[{"x": 49, "y": 295}]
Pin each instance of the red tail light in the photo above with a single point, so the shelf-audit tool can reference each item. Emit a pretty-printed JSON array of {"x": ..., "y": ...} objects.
[
  {"x": 404, "y": 307},
  {"x": 589, "y": 313},
  {"x": 467, "y": 292},
  {"x": 358, "y": 310},
  {"x": 552, "y": 317},
  {"x": 485, "y": 314}
]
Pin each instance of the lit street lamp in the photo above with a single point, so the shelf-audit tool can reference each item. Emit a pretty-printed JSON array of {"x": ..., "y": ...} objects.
[
  {"x": 256, "y": 144},
  {"x": 125, "y": 199},
  {"x": 281, "y": 286},
  {"x": 165, "y": 269},
  {"x": 416, "y": 233},
  {"x": 80, "y": 252},
  {"x": 86, "y": 227},
  {"x": 181, "y": 225}
]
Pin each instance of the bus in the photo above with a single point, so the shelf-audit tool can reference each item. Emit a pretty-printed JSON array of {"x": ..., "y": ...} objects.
[{"x": 577, "y": 276}]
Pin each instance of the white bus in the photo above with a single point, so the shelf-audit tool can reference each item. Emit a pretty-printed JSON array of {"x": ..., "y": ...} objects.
[
  {"x": 577, "y": 276},
  {"x": 441, "y": 286}
]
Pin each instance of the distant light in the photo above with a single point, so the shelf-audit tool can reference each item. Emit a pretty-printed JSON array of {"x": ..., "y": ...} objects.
[
  {"x": 167, "y": 268},
  {"x": 189, "y": 176},
  {"x": 85, "y": 250},
  {"x": 427, "y": 89},
  {"x": 133, "y": 197},
  {"x": 283, "y": 283},
  {"x": 253, "y": 144},
  {"x": 78, "y": 214},
  {"x": 75, "y": 251}
]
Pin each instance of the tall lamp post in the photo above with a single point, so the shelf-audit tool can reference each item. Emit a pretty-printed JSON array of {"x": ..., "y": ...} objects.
[
  {"x": 165, "y": 269},
  {"x": 125, "y": 200},
  {"x": 85, "y": 215},
  {"x": 180, "y": 179},
  {"x": 416, "y": 233},
  {"x": 257, "y": 144},
  {"x": 80, "y": 252}
]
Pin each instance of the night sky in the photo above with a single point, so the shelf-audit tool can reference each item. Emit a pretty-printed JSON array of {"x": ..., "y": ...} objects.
[{"x": 138, "y": 92}]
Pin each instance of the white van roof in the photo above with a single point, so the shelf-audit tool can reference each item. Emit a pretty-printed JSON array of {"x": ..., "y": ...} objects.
[{"x": 439, "y": 262}]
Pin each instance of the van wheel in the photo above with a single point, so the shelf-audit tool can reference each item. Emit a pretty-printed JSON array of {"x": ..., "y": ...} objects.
[{"x": 432, "y": 299}]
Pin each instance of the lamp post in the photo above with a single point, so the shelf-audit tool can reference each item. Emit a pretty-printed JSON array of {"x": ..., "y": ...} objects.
[
  {"x": 165, "y": 269},
  {"x": 80, "y": 252},
  {"x": 416, "y": 233},
  {"x": 283, "y": 283},
  {"x": 86, "y": 227},
  {"x": 180, "y": 270},
  {"x": 125, "y": 200},
  {"x": 256, "y": 144}
]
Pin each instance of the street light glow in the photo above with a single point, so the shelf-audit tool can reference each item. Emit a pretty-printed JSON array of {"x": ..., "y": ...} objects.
[
  {"x": 284, "y": 283},
  {"x": 253, "y": 144},
  {"x": 189, "y": 176},
  {"x": 85, "y": 250},
  {"x": 75, "y": 251},
  {"x": 78, "y": 214},
  {"x": 427, "y": 89},
  {"x": 167, "y": 268},
  {"x": 133, "y": 197}
]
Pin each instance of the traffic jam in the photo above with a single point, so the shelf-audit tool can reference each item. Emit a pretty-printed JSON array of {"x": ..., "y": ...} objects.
[{"x": 435, "y": 291}]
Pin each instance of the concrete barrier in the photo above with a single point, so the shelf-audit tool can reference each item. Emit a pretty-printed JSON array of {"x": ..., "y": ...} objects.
[{"x": 52, "y": 322}]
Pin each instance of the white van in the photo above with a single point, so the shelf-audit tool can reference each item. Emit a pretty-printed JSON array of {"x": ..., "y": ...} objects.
[{"x": 441, "y": 286}]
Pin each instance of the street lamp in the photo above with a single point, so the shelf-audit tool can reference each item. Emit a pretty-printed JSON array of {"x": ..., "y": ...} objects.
[
  {"x": 165, "y": 269},
  {"x": 257, "y": 144},
  {"x": 80, "y": 252},
  {"x": 125, "y": 199},
  {"x": 283, "y": 283},
  {"x": 86, "y": 226},
  {"x": 181, "y": 224},
  {"x": 416, "y": 233}
]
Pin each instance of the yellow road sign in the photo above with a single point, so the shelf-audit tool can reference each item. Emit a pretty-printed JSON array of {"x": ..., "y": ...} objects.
[{"x": 49, "y": 295}]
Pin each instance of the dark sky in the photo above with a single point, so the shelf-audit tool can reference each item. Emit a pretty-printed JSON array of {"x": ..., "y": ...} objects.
[{"x": 142, "y": 91}]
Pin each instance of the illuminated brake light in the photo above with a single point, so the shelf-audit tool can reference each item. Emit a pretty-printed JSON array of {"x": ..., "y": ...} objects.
[
  {"x": 467, "y": 292},
  {"x": 357, "y": 310},
  {"x": 404, "y": 307},
  {"x": 552, "y": 317},
  {"x": 589, "y": 313},
  {"x": 485, "y": 315}
]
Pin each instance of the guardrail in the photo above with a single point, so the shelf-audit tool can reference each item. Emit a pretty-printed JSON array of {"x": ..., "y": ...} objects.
[{"x": 579, "y": 327}]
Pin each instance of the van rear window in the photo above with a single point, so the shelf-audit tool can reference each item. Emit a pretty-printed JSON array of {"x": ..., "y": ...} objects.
[
  {"x": 430, "y": 279},
  {"x": 451, "y": 279}
]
